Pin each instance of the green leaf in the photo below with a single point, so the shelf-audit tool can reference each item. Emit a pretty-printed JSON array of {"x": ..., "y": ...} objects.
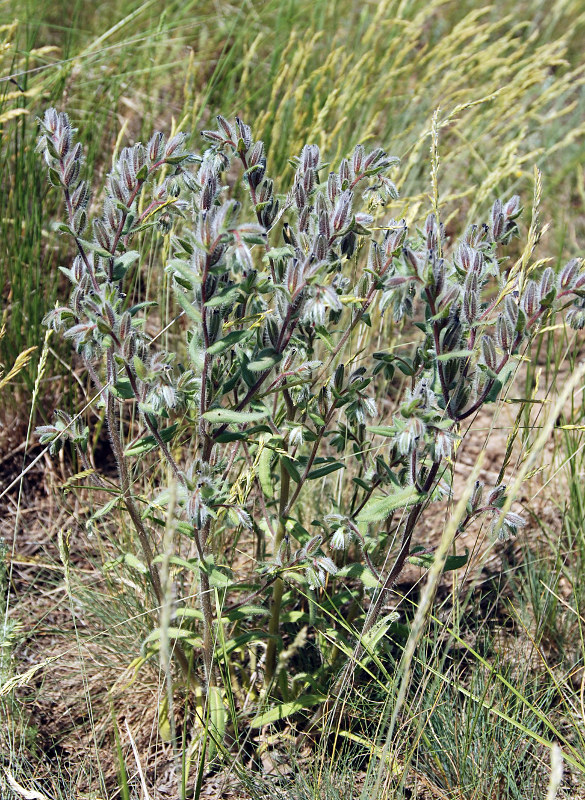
[
  {"x": 192, "y": 565},
  {"x": 217, "y": 718},
  {"x": 285, "y": 710},
  {"x": 378, "y": 508},
  {"x": 219, "y": 577},
  {"x": 133, "y": 310},
  {"x": 172, "y": 633},
  {"x": 264, "y": 474},
  {"x": 226, "y": 296},
  {"x": 246, "y": 612},
  {"x": 228, "y": 341},
  {"x": 148, "y": 443},
  {"x": 361, "y": 572},
  {"x": 123, "y": 263},
  {"x": 188, "y": 308},
  {"x": 229, "y": 436},
  {"x": 320, "y": 472},
  {"x": 142, "y": 173},
  {"x": 225, "y": 416},
  {"x": 279, "y": 253},
  {"x": 267, "y": 359},
  {"x": 294, "y": 616},
  {"x": 325, "y": 337},
  {"x": 290, "y": 467},
  {"x": 105, "y": 509},
  {"x": 131, "y": 561},
  {"x": 123, "y": 389},
  {"x": 455, "y": 354},
  {"x": 382, "y": 430},
  {"x": 421, "y": 559}
]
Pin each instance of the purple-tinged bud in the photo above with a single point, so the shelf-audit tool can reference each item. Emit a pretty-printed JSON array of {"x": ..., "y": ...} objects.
[
  {"x": 117, "y": 190},
  {"x": 80, "y": 196},
  {"x": 212, "y": 136},
  {"x": 309, "y": 180},
  {"x": 411, "y": 259},
  {"x": 342, "y": 212},
  {"x": 512, "y": 207},
  {"x": 128, "y": 348},
  {"x": 497, "y": 226},
  {"x": 256, "y": 155},
  {"x": 449, "y": 295},
  {"x": 300, "y": 196},
  {"x": 530, "y": 301},
  {"x": 225, "y": 126},
  {"x": 309, "y": 157},
  {"x": 125, "y": 325},
  {"x": 358, "y": 158},
  {"x": 51, "y": 119},
  {"x": 568, "y": 274},
  {"x": 70, "y": 173},
  {"x": 333, "y": 187},
  {"x": 375, "y": 262},
  {"x": 244, "y": 133},
  {"x": 79, "y": 221},
  {"x": 431, "y": 232},
  {"x": 488, "y": 350},
  {"x": 109, "y": 313},
  {"x": 476, "y": 496},
  {"x": 504, "y": 333},
  {"x": 78, "y": 268},
  {"x": 547, "y": 281},
  {"x": 127, "y": 175},
  {"x": 395, "y": 281},
  {"x": 138, "y": 157},
  {"x": 304, "y": 217},
  {"x": 464, "y": 256},
  {"x": 101, "y": 235},
  {"x": 470, "y": 298},
  {"x": 511, "y": 311},
  {"x": 64, "y": 142},
  {"x": 373, "y": 157},
  {"x": 496, "y": 494},
  {"x": 344, "y": 174},
  {"x": 321, "y": 247},
  {"x": 439, "y": 273},
  {"x": 395, "y": 237},
  {"x": 156, "y": 146}
]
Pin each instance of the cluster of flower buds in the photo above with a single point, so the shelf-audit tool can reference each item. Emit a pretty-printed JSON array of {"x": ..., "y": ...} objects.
[
  {"x": 326, "y": 229},
  {"x": 491, "y": 503},
  {"x": 316, "y": 565},
  {"x": 64, "y": 159},
  {"x": 64, "y": 428}
]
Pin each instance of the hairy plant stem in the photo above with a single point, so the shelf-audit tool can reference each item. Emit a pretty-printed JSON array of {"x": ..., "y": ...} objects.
[
  {"x": 126, "y": 485},
  {"x": 116, "y": 444},
  {"x": 202, "y": 534},
  {"x": 277, "y": 592}
]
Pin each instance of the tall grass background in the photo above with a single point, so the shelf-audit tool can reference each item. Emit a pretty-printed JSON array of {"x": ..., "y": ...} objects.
[{"x": 496, "y": 677}]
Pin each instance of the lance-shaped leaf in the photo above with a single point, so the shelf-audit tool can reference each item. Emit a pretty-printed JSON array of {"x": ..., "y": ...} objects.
[
  {"x": 420, "y": 558},
  {"x": 225, "y": 416},
  {"x": 285, "y": 710},
  {"x": 378, "y": 508}
]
